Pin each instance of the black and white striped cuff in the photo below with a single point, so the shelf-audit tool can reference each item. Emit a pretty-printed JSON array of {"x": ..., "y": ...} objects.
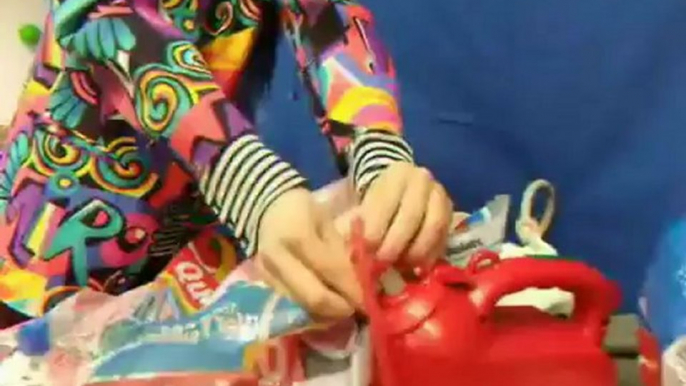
[
  {"x": 243, "y": 181},
  {"x": 373, "y": 151}
]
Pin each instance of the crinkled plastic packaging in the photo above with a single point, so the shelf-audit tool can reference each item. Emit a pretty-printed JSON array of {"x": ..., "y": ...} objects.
[
  {"x": 663, "y": 307},
  {"x": 674, "y": 364},
  {"x": 484, "y": 228},
  {"x": 192, "y": 326},
  {"x": 663, "y": 302},
  {"x": 94, "y": 339}
]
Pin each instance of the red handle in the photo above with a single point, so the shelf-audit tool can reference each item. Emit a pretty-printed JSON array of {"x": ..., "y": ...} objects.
[
  {"x": 595, "y": 297},
  {"x": 368, "y": 268},
  {"x": 482, "y": 259}
]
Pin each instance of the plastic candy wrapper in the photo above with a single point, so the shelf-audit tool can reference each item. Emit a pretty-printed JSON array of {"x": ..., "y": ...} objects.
[
  {"x": 663, "y": 310},
  {"x": 136, "y": 339},
  {"x": 663, "y": 302},
  {"x": 193, "y": 326},
  {"x": 204, "y": 321},
  {"x": 674, "y": 364},
  {"x": 484, "y": 228}
]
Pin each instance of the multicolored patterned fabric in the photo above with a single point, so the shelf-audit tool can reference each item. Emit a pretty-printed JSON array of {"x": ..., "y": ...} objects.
[{"x": 131, "y": 138}]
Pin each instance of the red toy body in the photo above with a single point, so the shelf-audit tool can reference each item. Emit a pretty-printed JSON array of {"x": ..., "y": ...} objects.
[
  {"x": 651, "y": 358},
  {"x": 445, "y": 330}
]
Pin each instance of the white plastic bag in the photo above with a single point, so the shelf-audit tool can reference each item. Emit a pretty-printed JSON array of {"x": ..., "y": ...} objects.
[
  {"x": 530, "y": 232},
  {"x": 674, "y": 364},
  {"x": 358, "y": 373}
]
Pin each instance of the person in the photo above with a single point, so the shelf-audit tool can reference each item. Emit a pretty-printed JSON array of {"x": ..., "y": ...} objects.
[{"x": 135, "y": 135}]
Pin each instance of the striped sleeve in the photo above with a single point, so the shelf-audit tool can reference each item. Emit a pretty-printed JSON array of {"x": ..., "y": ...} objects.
[
  {"x": 372, "y": 152},
  {"x": 241, "y": 184},
  {"x": 351, "y": 80}
]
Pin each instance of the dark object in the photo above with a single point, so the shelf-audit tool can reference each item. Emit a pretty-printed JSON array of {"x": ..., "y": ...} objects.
[
  {"x": 10, "y": 317},
  {"x": 325, "y": 31}
]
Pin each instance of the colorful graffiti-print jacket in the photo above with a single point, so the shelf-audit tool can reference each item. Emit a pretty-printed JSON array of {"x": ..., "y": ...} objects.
[{"x": 133, "y": 133}]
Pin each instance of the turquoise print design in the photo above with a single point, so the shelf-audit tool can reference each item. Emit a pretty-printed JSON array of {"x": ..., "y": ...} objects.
[
  {"x": 100, "y": 39},
  {"x": 183, "y": 14},
  {"x": 166, "y": 91},
  {"x": 17, "y": 155},
  {"x": 65, "y": 107},
  {"x": 79, "y": 230}
]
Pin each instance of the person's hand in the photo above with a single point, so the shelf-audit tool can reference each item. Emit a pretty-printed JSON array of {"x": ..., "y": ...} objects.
[
  {"x": 301, "y": 254},
  {"x": 407, "y": 214}
]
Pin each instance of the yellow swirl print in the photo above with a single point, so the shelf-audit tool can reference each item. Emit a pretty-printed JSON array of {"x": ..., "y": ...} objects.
[
  {"x": 250, "y": 10},
  {"x": 124, "y": 173},
  {"x": 224, "y": 13},
  {"x": 161, "y": 100},
  {"x": 59, "y": 153},
  {"x": 189, "y": 59},
  {"x": 167, "y": 91},
  {"x": 171, "y": 4},
  {"x": 356, "y": 98},
  {"x": 49, "y": 154},
  {"x": 128, "y": 171}
]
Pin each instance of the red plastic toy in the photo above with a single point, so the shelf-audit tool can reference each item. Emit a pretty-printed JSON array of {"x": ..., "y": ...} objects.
[
  {"x": 445, "y": 329},
  {"x": 651, "y": 358}
]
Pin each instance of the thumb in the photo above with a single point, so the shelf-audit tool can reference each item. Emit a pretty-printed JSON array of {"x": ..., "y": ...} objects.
[
  {"x": 325, "y": 253},
  {"x": 346, "y": 279},
  {"x": 342, "y": 224}
]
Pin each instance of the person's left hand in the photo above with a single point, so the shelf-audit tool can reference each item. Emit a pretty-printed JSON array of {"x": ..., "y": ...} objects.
[{"x": 407, "y": 215}]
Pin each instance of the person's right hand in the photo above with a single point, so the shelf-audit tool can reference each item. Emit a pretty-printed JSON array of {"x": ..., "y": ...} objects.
[{"x": 301, "y": 254}]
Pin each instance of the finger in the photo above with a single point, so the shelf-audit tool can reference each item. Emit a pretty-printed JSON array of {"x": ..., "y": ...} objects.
[
  {"x": 381, "y": 203},
  {"x": 422, "y": 267},
  {"x": 327, "y": 255},
  {"x": 343, "y": 223},
  {"x": 410, "y": 215},
  {"x": 442, "y": 248},
  {"x": 269, "y": 279},
  {"x": 434, "y": 229},
  {"x": 342, "y": 275},
  {"x": 305, "y": 287}
]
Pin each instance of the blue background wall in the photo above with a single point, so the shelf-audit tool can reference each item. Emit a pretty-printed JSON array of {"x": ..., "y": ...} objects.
[{"x": 590, "y": 94}]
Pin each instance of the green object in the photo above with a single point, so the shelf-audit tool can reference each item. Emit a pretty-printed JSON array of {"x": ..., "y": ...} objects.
[
  {"x": 30, "y": 35},
  {"x": 551, "y": 257}
]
